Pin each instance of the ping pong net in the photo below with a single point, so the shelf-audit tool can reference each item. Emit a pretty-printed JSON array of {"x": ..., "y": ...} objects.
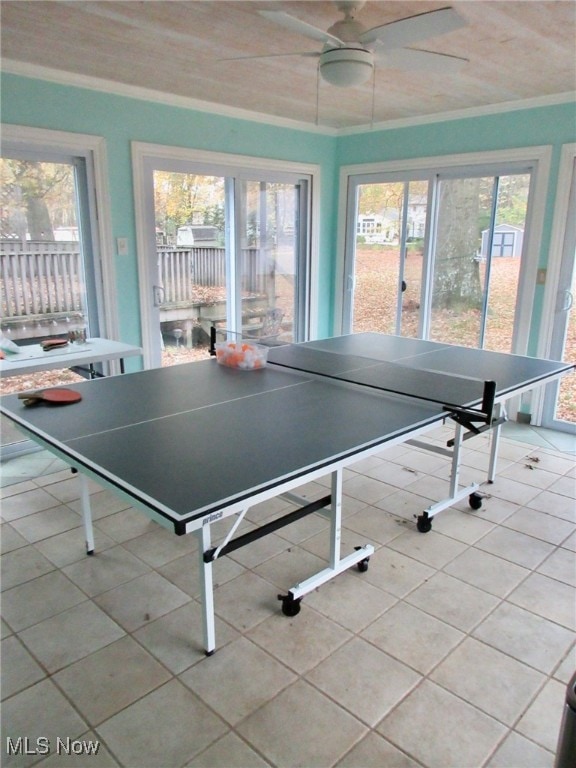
[{"x": 468, "y": 400}]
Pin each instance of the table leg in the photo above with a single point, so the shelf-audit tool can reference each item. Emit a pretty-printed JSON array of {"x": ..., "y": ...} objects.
[
  {"x": 338, "y": 564},
  {"x": 500, "y": 416},
  {"x": 424, "y": 521},
  {"x": 207, "y": 588},
  {"x": 86, "y": 513},
  {"x": 335, "y": 518}
]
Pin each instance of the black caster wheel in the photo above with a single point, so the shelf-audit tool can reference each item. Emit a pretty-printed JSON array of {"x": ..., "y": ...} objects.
[
  {"x": 475, "y": 500},
  {"x": 362, "y": 564},
  {"x": 290, "y": 605},
  {"x": 424, "y": 523}
]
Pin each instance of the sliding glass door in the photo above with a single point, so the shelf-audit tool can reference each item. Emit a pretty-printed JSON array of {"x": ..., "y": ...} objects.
[
  {"x": 438, "y": 256},
  {"x": 225, "y": 247}
]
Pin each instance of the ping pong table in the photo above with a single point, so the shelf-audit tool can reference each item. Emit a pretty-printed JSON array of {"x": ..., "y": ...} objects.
[{"x": 195, "y": 444}]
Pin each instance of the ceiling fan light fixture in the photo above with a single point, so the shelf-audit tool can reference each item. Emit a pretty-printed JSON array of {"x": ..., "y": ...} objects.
[{"x": 346, "y": 67}]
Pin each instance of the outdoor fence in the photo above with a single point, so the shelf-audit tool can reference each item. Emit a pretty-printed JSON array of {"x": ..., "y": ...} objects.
[
  {"x": 46, "y": 278},
  {"x": 40, "y": 278},
  {"x": 180, "y": 271}
]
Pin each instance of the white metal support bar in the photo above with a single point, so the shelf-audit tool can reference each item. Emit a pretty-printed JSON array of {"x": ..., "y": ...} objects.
[{"x": 231, "y": 532}]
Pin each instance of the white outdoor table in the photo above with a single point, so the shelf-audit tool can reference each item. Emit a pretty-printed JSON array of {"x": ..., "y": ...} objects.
[{"x": 33, "y": 358}]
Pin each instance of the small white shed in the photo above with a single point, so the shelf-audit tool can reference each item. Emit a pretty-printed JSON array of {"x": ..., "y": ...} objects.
[{"x": 507, "y": 241}]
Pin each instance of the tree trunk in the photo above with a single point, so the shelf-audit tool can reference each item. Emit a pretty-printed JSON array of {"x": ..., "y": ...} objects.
[
  {"x": 38, "y": 216},
  {"x": 456, "y": 270}
]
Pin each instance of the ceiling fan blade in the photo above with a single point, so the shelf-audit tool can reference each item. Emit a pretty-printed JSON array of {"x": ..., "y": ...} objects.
[
  {"x": 397, "y": 34},
  {"x": 314, "y": 54},
  {"x": 412, "y": 59},
  {"x": 301, "y": 27}
]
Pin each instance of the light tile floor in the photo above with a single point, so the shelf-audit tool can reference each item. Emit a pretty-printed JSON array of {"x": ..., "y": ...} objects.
[{"x": 453, "y": 650}]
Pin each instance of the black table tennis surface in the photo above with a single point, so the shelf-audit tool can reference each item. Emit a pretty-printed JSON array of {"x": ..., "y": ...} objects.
[{"x": 188, "y": 440}]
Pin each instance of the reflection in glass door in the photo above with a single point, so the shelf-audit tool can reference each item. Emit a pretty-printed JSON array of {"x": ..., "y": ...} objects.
[{"x": 565, "y": 408}]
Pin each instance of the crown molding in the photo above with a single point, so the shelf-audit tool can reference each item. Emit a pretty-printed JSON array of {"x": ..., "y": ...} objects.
[
  {"x": 147, "y": 94},
  {"x": 471, "y": 112},
  {"x": 61, "y": 77}
]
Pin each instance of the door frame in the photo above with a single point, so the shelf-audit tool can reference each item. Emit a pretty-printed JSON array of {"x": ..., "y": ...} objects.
[
  {"x": 537, "y": 158},
  {"x": 143, "y": 154}
]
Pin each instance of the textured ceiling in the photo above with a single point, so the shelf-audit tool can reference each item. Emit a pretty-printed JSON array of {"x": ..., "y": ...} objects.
[{"x": 517, "y": 51}]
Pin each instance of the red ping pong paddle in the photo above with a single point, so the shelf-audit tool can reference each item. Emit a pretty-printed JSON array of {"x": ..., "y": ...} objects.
[{"x": 52, "y": 396}]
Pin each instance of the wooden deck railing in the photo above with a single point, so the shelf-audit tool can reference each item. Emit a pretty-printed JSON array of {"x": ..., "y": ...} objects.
[{"x": 46, "y": 278}]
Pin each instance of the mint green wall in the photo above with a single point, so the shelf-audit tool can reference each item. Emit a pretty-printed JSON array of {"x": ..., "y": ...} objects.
[
  {"x": 555, "y": 125},
  {"x": 122, "y": 120}
]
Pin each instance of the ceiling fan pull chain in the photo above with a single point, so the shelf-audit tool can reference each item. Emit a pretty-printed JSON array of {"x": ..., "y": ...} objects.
[
  {"x": 373, "y": 98},
  {"x": 318, "y": 94}
]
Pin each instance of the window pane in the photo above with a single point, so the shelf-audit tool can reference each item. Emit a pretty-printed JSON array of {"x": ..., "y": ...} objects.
[
  {"x": 43, "y": 277},
  {"x": 191, "y": 255},
  {"x": 477, "y": 260},
  {"x": 269, "y": 259},
  {"x": 457, "y": 281},
  {"x": 390, "y": 230},
  {"x": 47, "y": 284},
  {"x": 505, "y": 262}
]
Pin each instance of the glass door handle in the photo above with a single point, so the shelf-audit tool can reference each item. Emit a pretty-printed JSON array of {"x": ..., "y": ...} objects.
[
  {"x": 159, "y": 295},
  {"x": 568, "y": 301}
]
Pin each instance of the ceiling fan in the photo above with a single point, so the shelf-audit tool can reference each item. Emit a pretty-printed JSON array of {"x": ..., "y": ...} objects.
[{"x": 347, "y": 58}]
